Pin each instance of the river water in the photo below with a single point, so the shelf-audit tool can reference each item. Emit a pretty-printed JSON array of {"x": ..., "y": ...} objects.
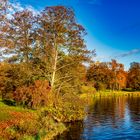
[{"x": 108, "y": 119}]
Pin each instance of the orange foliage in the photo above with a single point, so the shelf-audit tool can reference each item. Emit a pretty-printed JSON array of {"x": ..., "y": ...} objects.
[
  {"x": 17, "y": 119},
  {"x": 33, "y": 96}
]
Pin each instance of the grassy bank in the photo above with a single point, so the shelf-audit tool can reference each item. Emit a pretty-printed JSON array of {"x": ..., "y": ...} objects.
[
  {"x": 108, "y": 93},
  {"x": 45, "y": 123},
  {"x": 19, "y": 123}
]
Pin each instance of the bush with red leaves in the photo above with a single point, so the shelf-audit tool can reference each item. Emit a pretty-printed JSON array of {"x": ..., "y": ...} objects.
[{"x": 33, "y": 96}]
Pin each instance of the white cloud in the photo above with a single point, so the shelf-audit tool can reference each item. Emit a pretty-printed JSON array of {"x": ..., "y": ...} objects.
[{"x": 134, "y": 51}]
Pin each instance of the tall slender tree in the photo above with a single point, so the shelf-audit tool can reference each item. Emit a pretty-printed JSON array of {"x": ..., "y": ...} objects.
[{"x": 61, "y": 41}]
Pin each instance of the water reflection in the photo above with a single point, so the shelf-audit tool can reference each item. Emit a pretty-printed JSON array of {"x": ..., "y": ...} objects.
[
  {"x": 74, "y": 133},
  {"x": 108, "y": 118}
]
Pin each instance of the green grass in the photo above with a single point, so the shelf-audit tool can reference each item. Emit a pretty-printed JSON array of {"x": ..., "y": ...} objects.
[
  {"x": 5, "y": 107},
  {"x": 4, "y": 116},
  {"x": 5, "y": 111}
]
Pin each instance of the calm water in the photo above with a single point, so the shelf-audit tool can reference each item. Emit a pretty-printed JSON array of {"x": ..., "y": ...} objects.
[{"x": 108, "y": 119}]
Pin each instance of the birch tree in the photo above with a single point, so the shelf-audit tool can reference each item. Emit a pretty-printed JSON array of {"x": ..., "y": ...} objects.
[{"x": 61, "y": 39}]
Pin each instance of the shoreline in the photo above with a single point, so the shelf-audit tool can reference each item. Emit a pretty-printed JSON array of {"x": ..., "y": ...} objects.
[
  {"x": 111, "y": 94},
  {"x": 17, "y": 117}
]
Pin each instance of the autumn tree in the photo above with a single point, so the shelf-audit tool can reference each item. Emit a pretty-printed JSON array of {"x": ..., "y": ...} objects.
[
  {"x": 133, "y": 80},
  {"x": 61, "y": 44},
  {"x": 49, "y": 47},
  {"x": 20, "y": 35},
  {"x": 121, "y": 77},
  {"x": 118, "y": 75},
  {"x": 99, "y": 74},
  {"x": 4, "y": 6},
  {"x": 3, "y": 10},
  {"x": 110, "y": 75}
]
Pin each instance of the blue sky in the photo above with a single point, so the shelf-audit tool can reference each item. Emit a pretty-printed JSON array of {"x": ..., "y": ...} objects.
[{"x": 113, "y": 26}]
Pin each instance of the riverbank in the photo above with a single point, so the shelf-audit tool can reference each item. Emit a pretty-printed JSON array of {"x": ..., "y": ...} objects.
[
  {"x": 18, "y": 122},
  {"x": 116, "y": 118},
  {"x": 109, "y": 93},
  {"x": 45, "y": 123}
]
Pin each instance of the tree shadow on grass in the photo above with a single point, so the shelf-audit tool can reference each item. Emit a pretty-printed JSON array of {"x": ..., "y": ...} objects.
[{"x": 9, "y": 102}]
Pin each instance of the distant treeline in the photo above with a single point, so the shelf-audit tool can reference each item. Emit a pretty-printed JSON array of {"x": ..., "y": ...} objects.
[{"x": 111, "y": 75}]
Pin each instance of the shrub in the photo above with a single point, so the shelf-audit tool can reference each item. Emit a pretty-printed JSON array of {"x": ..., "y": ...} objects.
[
  {"x": 38, "y": 128},
  {"x": 9, "y": 102},
  {"x": 88, "y": 89},
  {"x": 100, "y": 86},
  {"x": 33, "y": 96},
  {"x": 70, "y": 108},
  {"x": 13, "y": 76}
]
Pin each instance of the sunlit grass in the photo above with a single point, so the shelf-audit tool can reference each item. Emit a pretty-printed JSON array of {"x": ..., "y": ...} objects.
[
  {"x": 116, "y": 94},
  {"x": 4, "y": 116},
  {"x": 109, "y": 93}
]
